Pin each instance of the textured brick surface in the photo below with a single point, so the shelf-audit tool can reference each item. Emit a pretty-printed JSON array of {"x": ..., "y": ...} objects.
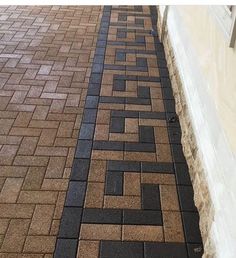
[
  {"x": 46, "y": 54},
  {"x": 89, "y": 141},
  {"x": 128, "y": 150}
]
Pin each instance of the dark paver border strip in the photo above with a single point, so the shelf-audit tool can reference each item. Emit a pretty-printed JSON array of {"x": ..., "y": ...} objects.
[
  {"x": 190, "y": 220},
  {"x": 67, "y": 240}
]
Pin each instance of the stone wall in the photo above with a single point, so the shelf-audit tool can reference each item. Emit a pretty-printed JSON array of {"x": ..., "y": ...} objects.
[{"x": 201, "y": 193}]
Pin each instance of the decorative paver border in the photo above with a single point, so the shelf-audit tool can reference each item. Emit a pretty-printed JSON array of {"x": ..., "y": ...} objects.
[{"x": 129, "y": 191}]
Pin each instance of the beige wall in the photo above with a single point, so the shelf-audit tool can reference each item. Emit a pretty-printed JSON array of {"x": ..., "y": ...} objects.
[{"x": 217, "y": 62}]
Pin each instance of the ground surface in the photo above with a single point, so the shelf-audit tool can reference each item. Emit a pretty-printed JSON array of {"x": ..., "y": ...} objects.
[{"x": 123, "y": 190}]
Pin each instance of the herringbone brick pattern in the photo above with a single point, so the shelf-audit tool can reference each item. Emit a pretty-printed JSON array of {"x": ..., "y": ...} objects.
[{"x": 46, "y": 54}]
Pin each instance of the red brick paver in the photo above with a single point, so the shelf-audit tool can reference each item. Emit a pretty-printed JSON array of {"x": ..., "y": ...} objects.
[{"x": 45, "y": 63}]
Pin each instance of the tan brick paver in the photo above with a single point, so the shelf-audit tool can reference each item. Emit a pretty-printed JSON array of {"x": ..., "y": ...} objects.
[{"x": 46, "y": 54}]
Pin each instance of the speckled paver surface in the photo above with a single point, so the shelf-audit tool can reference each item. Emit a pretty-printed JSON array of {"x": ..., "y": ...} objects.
[
  {"x": 46, "y": 53},
  {"x": 90, "y": 144}
]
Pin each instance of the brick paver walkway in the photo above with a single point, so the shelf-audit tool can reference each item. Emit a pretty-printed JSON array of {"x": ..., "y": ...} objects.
[{"x": 129, "y": 194}]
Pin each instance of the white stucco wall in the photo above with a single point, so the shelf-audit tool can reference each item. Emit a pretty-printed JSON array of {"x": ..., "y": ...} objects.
[{"x": 207, "y": 68}]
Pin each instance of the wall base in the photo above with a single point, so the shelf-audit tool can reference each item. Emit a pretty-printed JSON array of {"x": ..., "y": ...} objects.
[{"x": 201, "y": 193}]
